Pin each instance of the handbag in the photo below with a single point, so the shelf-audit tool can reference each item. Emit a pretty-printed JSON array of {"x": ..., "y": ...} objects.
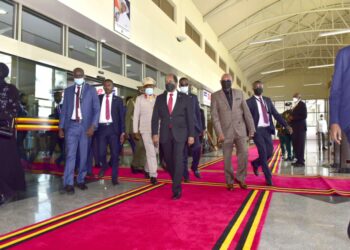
[{"x": 7, "y": 130}]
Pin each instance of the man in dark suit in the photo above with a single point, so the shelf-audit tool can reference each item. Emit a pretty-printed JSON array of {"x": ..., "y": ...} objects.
[
  {"x": 78, "y": 121},
  {"x": 174, "y": 110},
  {"x": 298, "y": 123},
  {"x": 111, "y": 129},
  {"x": 195, "y": 148},
  {"x": 262, "y": 110}
]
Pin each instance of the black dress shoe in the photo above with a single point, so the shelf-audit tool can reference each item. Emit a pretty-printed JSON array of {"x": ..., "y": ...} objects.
[
  {"x": 90, "y": 175},
  {"x": 197, "y": 174},
  {"x": 186, "y": 180},
  {"x": 154, "y": 180},
  {"x": 101, "y": 173},
  {"x": 297, "y": 164},
  {"x": 115, "y": 182},
  {"x": 176, "y": 196},
  {"x": 229, "y": 187},
  {"x": 269, "y": 183},
  {"x": 82, "y": 186},
  {"x": 69, "y": 189},
  {"x": 255, "y": 168},
  {"x": 147, "y": 175},
  {"x": 133, "y": 169}
]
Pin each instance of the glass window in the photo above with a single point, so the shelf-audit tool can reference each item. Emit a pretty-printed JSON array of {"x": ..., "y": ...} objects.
[
  {"x": 222, "y": 64},
  {"x": 192, "y": 33},
  {"x": 210, "y": 52},
  {"x": 6, "y": 18},
  {"x": 112, "y": 60},
  {"x": 82, "y": 48},
  {"x": 279, "y": 105},
  {"x": 151, "y": 72},
  {"x": 133, "y": 69},
  {"x": 161, "y": 82},
  {"x": 41, "y": 32},
  {"x": 166, "y": 7}
]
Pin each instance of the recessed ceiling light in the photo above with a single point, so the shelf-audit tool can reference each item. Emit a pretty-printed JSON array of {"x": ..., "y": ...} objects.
[
  {"x": 128, "y": 65},
  {"x": 313, "y": 84},
  {"x": 321, "y": 66},
  {"x": 276, "y": 86},
  {"x": 272, "y": 71},
  {"x": 3, "y": 12},
  {"x": 103, "y": 40}
]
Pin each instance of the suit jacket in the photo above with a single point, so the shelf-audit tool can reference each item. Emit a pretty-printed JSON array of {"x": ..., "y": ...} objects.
[
  {"x": 339, "y": 105},
  {"x": 89, "y": 104},
  {"x": 198, "y": 127},
  {"x": 253, "y": 107},
  {"x": 130, "y": 106},
  {"x": 117, "y": 112},
  {"x": 57, "y": 112},
  {"x": 181, "y": 119},
  {"x": 232, "y": 123},
  {"x": 299, "y": 115}
]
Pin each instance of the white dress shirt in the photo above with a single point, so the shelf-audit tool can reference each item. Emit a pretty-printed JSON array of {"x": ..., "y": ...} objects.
[
  {"x": 262, "y": 123},
  {"x": 174, "y": 98},
  {"x": 322, "y": 126},
  {"x": 103, "y": 109},
  {"x": 75, "y": 97}
]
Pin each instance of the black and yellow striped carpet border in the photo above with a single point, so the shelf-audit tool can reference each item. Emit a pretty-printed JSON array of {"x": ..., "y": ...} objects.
[{"x": 59, "y": 221}]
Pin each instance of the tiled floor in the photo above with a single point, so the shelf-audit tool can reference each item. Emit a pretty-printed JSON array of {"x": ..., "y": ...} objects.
[{"x": 293, "y": 221}]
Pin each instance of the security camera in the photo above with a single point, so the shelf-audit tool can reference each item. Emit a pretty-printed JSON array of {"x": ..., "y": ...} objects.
[{"x": 180, "y": 38}]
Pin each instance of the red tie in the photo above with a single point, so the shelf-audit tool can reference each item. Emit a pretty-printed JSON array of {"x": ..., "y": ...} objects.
[
  {"x": 264, "y": 111},
  {"x": 108, "y": 115},
  {"x": 170, "y": 103},
  {"x": 77, "y": 104}
]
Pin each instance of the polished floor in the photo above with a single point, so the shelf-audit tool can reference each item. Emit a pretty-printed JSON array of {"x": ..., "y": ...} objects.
[{"x": 293, "y": 221}]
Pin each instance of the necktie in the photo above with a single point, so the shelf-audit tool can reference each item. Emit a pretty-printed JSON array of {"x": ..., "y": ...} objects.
[
  {"x": 170, "y": 103},
  {"x": 264, "y": 111},
  {"x": 108, "y": 115},
  {"x": 77, "y": 104}
]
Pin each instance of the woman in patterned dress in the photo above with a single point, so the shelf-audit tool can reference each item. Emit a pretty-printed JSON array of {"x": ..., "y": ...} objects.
[{"x": 11, "y": 172}]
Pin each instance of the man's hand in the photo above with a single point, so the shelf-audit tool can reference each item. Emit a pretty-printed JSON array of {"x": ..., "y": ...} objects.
[
  {"x": 136, "y": 136},
  {"x": 290, "y": 130},
  {"x": 155, "y": 139},
  {"x": 336, "y": 133},
  {"x": 221, "y": 138},
  {"x": 122, "y": 138},
  {"x": 190, "y": 141},
  {"x": 61, "y": 133},
  {"x": 90, "y": 131}
]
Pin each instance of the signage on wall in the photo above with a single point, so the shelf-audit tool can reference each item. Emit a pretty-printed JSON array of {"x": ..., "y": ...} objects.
[
  {"x": 122, "y": 16},
  {"x": 206, "y": 98}
]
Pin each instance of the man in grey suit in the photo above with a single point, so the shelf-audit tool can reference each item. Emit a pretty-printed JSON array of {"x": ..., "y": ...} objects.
[
  {"x": 232, "y": 120},
  {"x": 78, "y": 121}
]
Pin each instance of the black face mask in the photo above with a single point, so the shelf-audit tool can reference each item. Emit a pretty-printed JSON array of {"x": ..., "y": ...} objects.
[
  {"x": 170, "y": 87},
  {"x": 258, "y": 91},
  {"x": 226, "y": 85}
]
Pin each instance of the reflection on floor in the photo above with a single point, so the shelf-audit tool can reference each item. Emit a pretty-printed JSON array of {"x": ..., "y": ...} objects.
[{"x": 293, "y": 222}]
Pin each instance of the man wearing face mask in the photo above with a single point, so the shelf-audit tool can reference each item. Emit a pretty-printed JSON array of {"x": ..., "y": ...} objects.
[
  {"x": 198, "y": 129},
  {"x": 262, "y": 110},
  {"x": 111, "y": 129},
  {"x": 78, "y": 121},
  {"x": 298, "y": 122},
  {"x": 142, "y": 126},
  {"x": 174, "y": 110},
  {"x": 232, "y": 119}
]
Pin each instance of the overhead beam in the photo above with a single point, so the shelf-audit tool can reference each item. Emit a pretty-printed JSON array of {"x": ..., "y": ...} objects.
[{"x": 220, "y": 7}]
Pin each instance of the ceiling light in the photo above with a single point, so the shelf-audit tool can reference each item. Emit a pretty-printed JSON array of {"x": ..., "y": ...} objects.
[
  {"x": 128, "y": 65},
  {"x": 321, "y": 66},
  {"x": 272, "y": 71},
  {"x": 313, "y": 84},
  {"x": 3, "y": 12},
  {"x": 266, "y": 41},
  {"x": 91, "y": 48},
  {"x": 332, "y": 33},
  {"x": 103, "y": 40},
  {"x": 278, "y": 96},
  {"x": 276, "y": 86}
]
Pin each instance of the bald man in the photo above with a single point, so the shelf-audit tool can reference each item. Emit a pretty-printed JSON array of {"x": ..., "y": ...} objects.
[{"x": 232, "y": 119}]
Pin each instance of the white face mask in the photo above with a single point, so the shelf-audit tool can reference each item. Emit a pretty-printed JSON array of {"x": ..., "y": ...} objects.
[
  {"x": 149, "y": 91},
  {"x": 184, "y": 89},
  {"x": 79, "y": 81},
  {"x": 295, "y": 99}
]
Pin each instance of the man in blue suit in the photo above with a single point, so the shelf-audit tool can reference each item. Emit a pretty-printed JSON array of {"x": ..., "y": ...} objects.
[
  {"x": 111, "y": 129},
  {"x": 262, "y": 110},
  {"x": 78, "y": 121},
  {"x": 195, "y": 148}
]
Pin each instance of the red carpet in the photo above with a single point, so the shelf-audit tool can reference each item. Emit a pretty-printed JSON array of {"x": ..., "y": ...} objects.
[{"x": 205, "y": 217}]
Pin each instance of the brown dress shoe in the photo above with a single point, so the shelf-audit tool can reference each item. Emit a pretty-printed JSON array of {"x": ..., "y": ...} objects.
[
  {"x": 229, "y": 187},
  {"x": 242, "y": 185}
]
